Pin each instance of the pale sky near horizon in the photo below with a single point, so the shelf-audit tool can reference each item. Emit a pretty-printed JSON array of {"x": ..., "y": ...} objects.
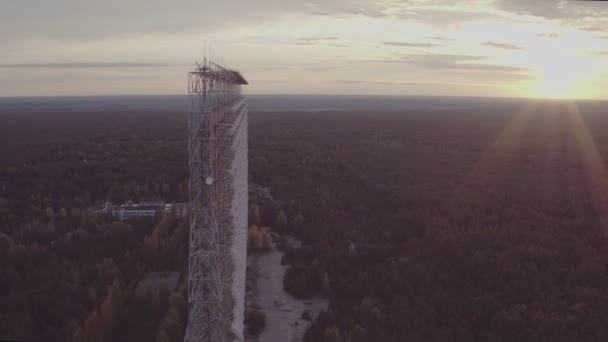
[{"x": 539, "y": 48}]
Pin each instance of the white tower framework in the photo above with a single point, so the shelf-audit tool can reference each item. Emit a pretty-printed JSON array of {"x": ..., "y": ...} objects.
[{"x": 218, "y": 195}]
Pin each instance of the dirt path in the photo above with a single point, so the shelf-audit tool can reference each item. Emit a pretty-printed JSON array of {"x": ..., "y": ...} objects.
[{"x": 283, "y": 312}]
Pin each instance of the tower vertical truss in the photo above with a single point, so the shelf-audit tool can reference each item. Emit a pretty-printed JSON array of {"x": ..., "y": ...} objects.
[{"x": 218, "y": 195}]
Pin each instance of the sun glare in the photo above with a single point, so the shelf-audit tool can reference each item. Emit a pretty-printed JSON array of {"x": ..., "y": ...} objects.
[
  {"x": 552, "y": 84},
  {"x": 561, "y": 71},
  {"x": 561, "y": 77}
]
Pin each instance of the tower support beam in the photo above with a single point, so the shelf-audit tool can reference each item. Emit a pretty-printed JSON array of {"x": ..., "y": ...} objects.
[{"x": 218, "y": 148}]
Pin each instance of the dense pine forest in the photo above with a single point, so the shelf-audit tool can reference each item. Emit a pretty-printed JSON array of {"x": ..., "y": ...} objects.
[
  {"x": 436, "y": 225},
  {"x": 67, "y": 273}
]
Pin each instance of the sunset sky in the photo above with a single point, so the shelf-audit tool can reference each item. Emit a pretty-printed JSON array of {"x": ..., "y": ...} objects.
[{"x": 540, "y": 48}]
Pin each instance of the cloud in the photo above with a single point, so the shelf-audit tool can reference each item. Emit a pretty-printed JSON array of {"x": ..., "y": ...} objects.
[
  {"x": 317, "y": 39},
  {"x": 406, "y": 44},
  {"x": 108, "y": 19},
  {"x": 412, "y": 84},
  {"x": 438, "y": 60},
  {"x": 440, "y": 38},
  {"x": 595, "y": 28},
  {"x": 478, "y": 67},
  {"x": 312, "y": 67},
  {"x": 548, "y": 35},
  {"x": 317, "y": 68},
  {"x": 446, "y": 17},
  {"x": 435, "y": 12},
  {"x": 390, "y": 83},
  {"x": 82, "y": 65},
  {"x": 85, "y": 20},
  {"x": 92, "y": 20},
  {"x": 598, "y": 53},
  {"x": 345, "y": 8},
  {"x": 297, "y": 40},
  {"x": 503, "y": 46},
  {"x": 374, "y": 82},
  {"x": 459, "y": 63},
  {"x": 555, "y": 9},
  {"x": 540, "y": 8}
]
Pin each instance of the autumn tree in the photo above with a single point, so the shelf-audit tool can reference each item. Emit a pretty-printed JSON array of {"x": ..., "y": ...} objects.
[
  {"x": 93, "y": 330},
  {"x": 259, "y": 240}
]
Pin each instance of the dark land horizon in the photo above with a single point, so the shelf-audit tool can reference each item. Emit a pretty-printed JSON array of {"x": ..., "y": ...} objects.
[
  {"x": 278, "y": 102},
  {"x": 455, "y": 220}
]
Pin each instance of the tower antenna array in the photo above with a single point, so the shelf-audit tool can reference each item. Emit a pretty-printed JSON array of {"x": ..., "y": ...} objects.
[{"x": 218, "y": 195}]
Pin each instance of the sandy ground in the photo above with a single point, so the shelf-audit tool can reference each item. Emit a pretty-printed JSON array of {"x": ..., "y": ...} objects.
[{"x": 283, "y": 312}]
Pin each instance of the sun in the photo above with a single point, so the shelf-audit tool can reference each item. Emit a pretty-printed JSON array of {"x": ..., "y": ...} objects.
[
  {"x": 561, "y": 73},
  {"x": 561, "y": 77},
  {"x": 558, "y": 85}
]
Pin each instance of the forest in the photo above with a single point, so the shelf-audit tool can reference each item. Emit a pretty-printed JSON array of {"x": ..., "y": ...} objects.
[
  {"x": 67, "y": 273},
  {"x": 445, "y": 225},
  {"x": 426, "y": 225}
]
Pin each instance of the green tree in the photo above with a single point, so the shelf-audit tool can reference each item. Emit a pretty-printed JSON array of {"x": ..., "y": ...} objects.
[
  {"x": 254, "y": 214},
  {"x": 332, "y": 334},
  {"x": 92, "y": 295},
  {"x": 77, "y": 336},
  {"x": 352, "y": 249},
  {"x": 298, "y": 222},
  {"x": 326, "y": 284},
  {"x": 111, "y": 308},
  {"x": 75, "y": 216},
  {"x": 266, "y": 241},
  {"x": 63, "y": 214},
  {"x": 174, "y": 323},
  {"x": 50, "y": 214},
  {"x": 255, "y": 321},
  {"x": 163, "y": 335},
  {"x": 358, "y": 333},
  {"x": 281, "y": 220},
  {"x": 5, "y": 244}
]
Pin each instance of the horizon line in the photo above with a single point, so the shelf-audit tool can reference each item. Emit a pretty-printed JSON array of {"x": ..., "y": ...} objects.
[{"x": 316, "y": 94}]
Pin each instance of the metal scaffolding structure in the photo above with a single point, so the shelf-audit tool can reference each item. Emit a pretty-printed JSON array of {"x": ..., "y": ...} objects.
[{"x": 218, "y": 195}]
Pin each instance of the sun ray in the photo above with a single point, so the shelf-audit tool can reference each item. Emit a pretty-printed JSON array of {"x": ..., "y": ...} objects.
[
  {"x": 549, "y": 150},
  {"x": 495, "y": 159},
  {"x": 595, "y": 169}
]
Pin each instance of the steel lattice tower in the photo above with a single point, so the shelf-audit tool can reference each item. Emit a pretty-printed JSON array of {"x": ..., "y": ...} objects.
[{"x": 218, "y": 195}]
